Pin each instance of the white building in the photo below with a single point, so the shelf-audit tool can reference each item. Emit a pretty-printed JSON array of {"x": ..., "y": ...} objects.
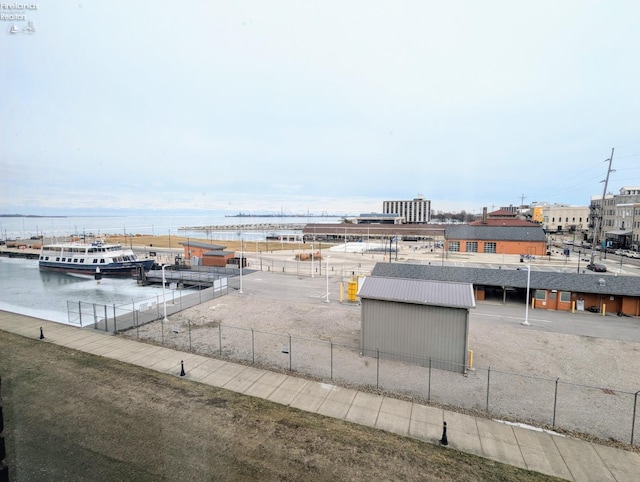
[
  {"x": 563, "y": 218},
  {"x": 416, "y": 211}
]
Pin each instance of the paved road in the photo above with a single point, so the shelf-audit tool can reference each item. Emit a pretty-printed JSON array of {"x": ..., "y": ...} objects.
[{"x": 584, "y": 323}]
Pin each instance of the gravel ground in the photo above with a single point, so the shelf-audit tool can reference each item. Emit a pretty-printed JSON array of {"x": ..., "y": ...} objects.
[{"x": 525, "y": 364}]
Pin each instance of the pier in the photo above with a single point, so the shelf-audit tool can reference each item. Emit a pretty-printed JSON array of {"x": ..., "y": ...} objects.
[{"x": 247, "y": 227}]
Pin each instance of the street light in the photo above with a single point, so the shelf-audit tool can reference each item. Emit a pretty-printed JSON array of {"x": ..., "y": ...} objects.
[
  {"x": 526, "y": 312},
  {"x": 164, "y": 298},
  {"x": 327, "y": 300},
  {"x": 240, "y": 236},
  {"x": 579, "y": 256}
]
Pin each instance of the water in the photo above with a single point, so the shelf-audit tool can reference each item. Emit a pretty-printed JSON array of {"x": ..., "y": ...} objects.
[
  {"x": 27, "y": 290},
  {"x": 158, "y": 224}
]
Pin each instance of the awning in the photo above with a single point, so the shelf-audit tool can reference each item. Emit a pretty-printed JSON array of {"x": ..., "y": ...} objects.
[{"x": 618, "y": 233}]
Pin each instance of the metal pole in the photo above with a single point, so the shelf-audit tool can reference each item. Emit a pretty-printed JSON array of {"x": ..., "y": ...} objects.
[
  {"x": 220, "y": 337},
  {"x": 289, "y": 352},
  {"x": 240, "y": 265},
  {"x": 555, "y": 402},
  {"x": 633, "y": 421},
  {"x": 377, "y": 368},
  {"x": 80, "y": 312},
  {"x": 253, "y": 348},
  {"x": 429, "y": 388},
  {"x": 327, "y": 300},
  {"x": 526, "y": 310},
  {"x": 488, "y": 384},
  {"x": 164, "y": 299},
  {"x": 105, "y": 314},
  {"x": 189, "y": 327},
  {"x": 331, "y": 359}
]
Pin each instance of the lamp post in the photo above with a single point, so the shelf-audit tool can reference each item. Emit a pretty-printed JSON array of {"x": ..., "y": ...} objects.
[
  {"x": 579, "y": 256},
  {"x": 240, "y": 236},
  {"x": 327, "y": 300},
  {"x": 526, "y": 311},
  {"x": 164, "y": 298}
]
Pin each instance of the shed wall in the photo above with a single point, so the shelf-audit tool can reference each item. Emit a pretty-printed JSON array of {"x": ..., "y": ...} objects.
[{"x": 413, "y": 333}]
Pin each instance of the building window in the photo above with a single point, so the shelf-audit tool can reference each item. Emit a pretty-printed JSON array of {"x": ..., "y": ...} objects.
[
  {"x": 454, "y": 245},
  {"x": 489, "y": 247},
  {"x": 472, "y": 246},
  {"x": 541, "y": 295},
  {"x": 565, "y": 296}
]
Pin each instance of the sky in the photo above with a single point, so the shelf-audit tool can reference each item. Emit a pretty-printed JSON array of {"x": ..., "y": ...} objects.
[{"x": 316, "y": 106}]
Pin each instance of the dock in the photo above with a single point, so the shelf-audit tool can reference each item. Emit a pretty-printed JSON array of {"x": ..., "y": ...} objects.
[{"x": 182, "y": 277}]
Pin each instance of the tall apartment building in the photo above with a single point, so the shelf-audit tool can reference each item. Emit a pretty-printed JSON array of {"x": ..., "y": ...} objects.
[
  {"x": 617, "y": 218},
  {"x": 416, "y": 211}
]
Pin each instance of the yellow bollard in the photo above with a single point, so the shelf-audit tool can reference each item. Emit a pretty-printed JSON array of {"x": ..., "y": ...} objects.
[
  {"x": 470, "y": 358},
  {"x": 604, "y": 309},
  {"x": 533, "y": 303},
  {"x": 573, "y": 307},
  {"x": 341, "y": 291}
]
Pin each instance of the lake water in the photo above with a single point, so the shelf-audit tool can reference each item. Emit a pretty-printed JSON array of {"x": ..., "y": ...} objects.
[
  {"x": 157, "y": 224},
  {"x": 26, "y": 290}
]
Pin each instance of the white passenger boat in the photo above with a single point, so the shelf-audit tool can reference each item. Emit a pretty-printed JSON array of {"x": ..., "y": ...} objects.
[{"x": 98, "y": 257}]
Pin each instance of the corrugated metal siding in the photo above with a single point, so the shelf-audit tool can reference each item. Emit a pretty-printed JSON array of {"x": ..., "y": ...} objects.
[{"x": 414, "y": 333}]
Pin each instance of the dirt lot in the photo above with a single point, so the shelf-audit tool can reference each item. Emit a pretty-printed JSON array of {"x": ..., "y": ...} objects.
[{"x": 74, "y": 416}]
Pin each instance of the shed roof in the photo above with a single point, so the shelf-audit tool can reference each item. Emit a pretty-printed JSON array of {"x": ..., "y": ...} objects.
[
  {"x": 516, "y": 278},
  {"x": 496, "y": 233},
  {"x": 417, "y": 291},
  {"x": 218, "y": 253}
]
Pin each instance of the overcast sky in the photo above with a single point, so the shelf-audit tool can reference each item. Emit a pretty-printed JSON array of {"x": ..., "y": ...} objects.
[{"x": 334, "y": 106}]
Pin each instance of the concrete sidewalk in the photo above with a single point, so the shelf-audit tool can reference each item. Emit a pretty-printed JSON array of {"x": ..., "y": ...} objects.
[{"x": 563, "y": 457}]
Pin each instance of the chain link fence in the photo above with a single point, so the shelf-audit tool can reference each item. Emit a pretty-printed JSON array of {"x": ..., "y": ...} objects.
[
  {"x": 115, "y": 318},
  {"x": 550, "y": 402}
]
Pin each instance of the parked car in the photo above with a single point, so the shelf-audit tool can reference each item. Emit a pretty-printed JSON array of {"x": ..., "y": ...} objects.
[
  {"x": 633, "y": 254},
  {"x": 597, "y": 267}
]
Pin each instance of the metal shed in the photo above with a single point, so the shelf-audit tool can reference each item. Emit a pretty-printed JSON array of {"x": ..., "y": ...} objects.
[{"x": 417, "y": 321}]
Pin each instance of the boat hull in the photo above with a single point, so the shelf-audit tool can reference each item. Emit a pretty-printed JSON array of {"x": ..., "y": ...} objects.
[{"x": 127, "y": 268}]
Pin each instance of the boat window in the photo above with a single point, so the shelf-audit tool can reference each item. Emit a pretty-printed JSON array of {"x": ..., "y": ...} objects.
[
  {"x": 82, "y": 260},
  {"x": 95, "y": 260},
  {"x": 64, "y": 259},
  {"x": 57, "y": 259},
  {"x": 102, "y": 260}
]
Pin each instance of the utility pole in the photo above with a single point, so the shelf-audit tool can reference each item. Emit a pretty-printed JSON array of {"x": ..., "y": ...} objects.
[
  {"x": 598, "y": 219},
  {"x": 522, "y": 198}
]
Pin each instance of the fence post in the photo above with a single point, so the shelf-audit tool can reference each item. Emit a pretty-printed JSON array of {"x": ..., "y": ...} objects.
[
  {"x": 80, "y": 312},
  {"x": 220, "y": 338},
  {"x": 253, "y": 349},
  {"x": 289, "y": 352},
  {"x": 555, "y": 401},
  {"x": 95, "y": 317},
  {"x": 429, "y": 386},
  {"x": 488, "y": 383},
  {"x": 105, "y": 315},
  {"x": 377, "y": 368},
  {"x": 331, "y": 358},
  {"x": 138, "y": 325},
  {"x": 633, "y": 421}
]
